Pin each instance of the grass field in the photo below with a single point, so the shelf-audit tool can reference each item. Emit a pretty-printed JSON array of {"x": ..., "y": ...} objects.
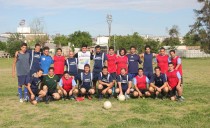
[{"x": 134, "y": 113}]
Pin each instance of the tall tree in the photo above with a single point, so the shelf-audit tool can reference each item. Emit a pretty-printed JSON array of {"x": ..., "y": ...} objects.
[
  {"x": 61, "y": 40},
  {"x": 79, "y": 38},
  {"x": 202, "y": 24}
]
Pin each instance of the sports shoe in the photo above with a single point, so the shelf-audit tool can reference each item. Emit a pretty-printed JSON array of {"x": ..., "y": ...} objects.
[
  {"x": 127, "y": 96},
  {"x": 26, "y": 99},
  {"x": 21, "y": 100},
  {"x": 100, "y": 97},
  {"x": 180, "y": 99},
  {"x": 47, "y": 99}
]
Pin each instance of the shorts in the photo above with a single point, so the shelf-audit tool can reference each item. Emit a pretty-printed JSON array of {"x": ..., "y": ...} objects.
[
  {"x": 172, "y": 92},
  {"x": 87, "y": 88},
  {"x": 50, "y": 92},
  {"x": 124, "y": 88},
  {"x": 36, "y": 92},
  {"x": 148, "y": 74},
  {"x": 143, "y": 91},
  {"x": 113, "y": 75},
  {"x": 132, "y": 75},
  {"x": 23, "y": 80},
  {"x": 95, "y": 75}
]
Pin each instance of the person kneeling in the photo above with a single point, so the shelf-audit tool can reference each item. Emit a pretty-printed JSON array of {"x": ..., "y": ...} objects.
[
  {"x": 124, "y": 83},
  {"x": 105, "y": 83},
  {"x": 141, "y": 84},
  {"x": 33, "y": 87},
  {"x": 174, "y": 83},
  {"x": 50, "y": 82},
  {"x": 86, "y": 87},
  {"x": 158, "y": 84},
  {"x": 67, "y": 86}
]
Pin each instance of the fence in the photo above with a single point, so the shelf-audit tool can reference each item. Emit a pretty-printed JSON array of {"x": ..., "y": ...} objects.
[{"x": 191, "y": 53}]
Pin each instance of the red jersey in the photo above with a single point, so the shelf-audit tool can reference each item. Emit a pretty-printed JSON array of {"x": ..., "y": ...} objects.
[
  {"x": 59, "y": 63},
  {"x": 67, "y": 84},
  {"x": 111, "y": 63},
  {"x": 175, "y": 62},
  {"x": 172, "y": 78},
  {"x": 162, "y": 61},
  {"x": 122, "y": 62},
  {"x": 141, "y": 82}
]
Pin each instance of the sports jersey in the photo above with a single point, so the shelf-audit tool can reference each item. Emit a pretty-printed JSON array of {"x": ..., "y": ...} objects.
[
  {"x": 35, "y": 81},
  {"x": 147, "y": 65},
  {"x": 176, "y": 61},
  {"x": 59, "y": 63},
  {"x": 122, "y": 62},
  {"x": 67, "y": 84},
  {"x": 123, "y": 79},
  {"x": 98, "y": 60},
  {"x": 173, "y": 78},
  {"x": 105, "y": 78},
  {"x": 141, "y": 82},
  {"x": 111, "y": 63},
  {"x": 133, "y": 63},
  {"x": 71, "y": 66},
  {"x": 34, "y": 61},
  {"x": 162, "y": 62},
  {"x": 86, "y": 79},
  {"x": 22, "y": 64},
  {"x": 45, "y": 62},
  {"x": 51, "y": 82},
  {"x": 158, "y": 80},
  {"x": 83, "y": 58}
]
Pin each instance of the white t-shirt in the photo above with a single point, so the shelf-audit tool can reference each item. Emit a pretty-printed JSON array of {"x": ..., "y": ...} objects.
[{"x": 83, "y": 58}]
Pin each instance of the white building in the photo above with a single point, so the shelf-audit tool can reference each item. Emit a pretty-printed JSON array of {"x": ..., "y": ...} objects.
[{"x": 102, "y": 40}]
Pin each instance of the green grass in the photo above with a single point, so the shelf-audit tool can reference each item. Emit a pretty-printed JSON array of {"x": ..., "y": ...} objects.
[{"x": 135, "y": 113}]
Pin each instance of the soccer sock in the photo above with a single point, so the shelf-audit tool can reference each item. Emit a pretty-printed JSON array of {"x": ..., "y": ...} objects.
[
  {"x": 20, "y": 92},
  {"x": 25, "y": 92}
]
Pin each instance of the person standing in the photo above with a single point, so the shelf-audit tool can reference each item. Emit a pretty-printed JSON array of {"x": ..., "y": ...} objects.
[
  {"x": 59, "y": 63},
  {"x": 162, "y": 60}
]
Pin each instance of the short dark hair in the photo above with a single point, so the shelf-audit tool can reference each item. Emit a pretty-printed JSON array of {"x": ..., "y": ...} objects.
[
  {"x": 170, "y": 63},
  {"x": 157, "y": 68},
  {"x": 84, "y": 45},
  {"x": 111, "y": 47},
  {"x": 123, "y": 69},
  {"x": 59, "y": 49},
  {"x": 147, "y": 46},
  {"x": 66, "y": 72},
  {"x": 23, "y": 44},
  {"x": 46, "y": 48},
  {"x": 51, "y": 68},
  {"x": 104, "y": 67},
  {"x": 172, "y": 51},
  {"x": 122, "y": 49},
  {"x": 162, "y": 48},
  {"x": 97, "y": 46},
  {"x": 87, "y": 65},
  {"x": 37, "y": 44},
  {"x": 141, "y": 69},
  {"x": 40, "y": 70},
  {"x": 132, "y": 47}
]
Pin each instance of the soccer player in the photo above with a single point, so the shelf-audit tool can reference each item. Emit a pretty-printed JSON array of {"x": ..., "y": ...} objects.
[
  {"x": 124, "y": 84},
  {"x": 133, "y": 62},
  {"x": 68, "y": 86},
  {"x": 22, "y": 66},
  {"x": 162, "y": 60},
  {"x": 105, "y": 81},
  {"x": 99, "y": 60},
  {"x": 35, "y": 93},
  {"x": 141, "y": 83},
  {"x": 71, "y": 65},
  {"x": 122, "y": 61},
  {"x": 45, "y": 60},
  {"x": 59, "y": 63},
  {"x": 50, "y": 82},
  {"x": 148, "y": 61},
  {"x": 174, "y": 82},
  {"x": 35, "y": 59},
  {"x": 158, "y": 83},
  {"x": 86, "y": 87},
  {"x": 111, "y": 63},
  {"x": 83, "y": 57}
]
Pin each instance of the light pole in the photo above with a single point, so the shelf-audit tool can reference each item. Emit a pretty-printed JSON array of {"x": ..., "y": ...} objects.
[{"x": 109, "y": 21}]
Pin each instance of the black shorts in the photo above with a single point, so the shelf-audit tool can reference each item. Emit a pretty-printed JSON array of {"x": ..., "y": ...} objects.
[
  {"x": 113, "y": 75},
  {"x": 35, "y": 92},
  {"x": 50, "y": 92},
  {"x": 172, "y": 92},
  {"x": 87, "y": 88},
  {"x": 143, "y": 91},
  {"x": 96, "y": 75}
]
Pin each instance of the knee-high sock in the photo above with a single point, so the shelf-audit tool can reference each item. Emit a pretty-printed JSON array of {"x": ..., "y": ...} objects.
[
  {"x": 20, "y": 92},
  {"x": 25, "y": 92}
]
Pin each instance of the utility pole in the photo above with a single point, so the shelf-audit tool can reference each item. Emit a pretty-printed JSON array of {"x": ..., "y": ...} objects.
[{"x": 109, "y": 21}]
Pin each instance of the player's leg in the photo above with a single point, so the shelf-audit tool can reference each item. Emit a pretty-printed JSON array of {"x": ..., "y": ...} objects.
[
  {"x": 90, "y": 92},
  {"x": 147, "y": 93},
  {"x": 135, "y": 94},
  {"x": 56, "y": 96},
  {"x": 20, "y": 83},
  {"x": 100, "y": 89},
  {"x": 179, "y": 92},
  {"x": 83, "y": 91},
  {"x": 172, "y": 94}
]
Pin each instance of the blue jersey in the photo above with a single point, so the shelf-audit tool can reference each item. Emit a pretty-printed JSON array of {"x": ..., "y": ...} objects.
[
  {"x": 147, "y": 66},
  {"x": 34, "y": 60},
  {"x": 124, "y": 79},
  {"x": 133, "y": 63},
  {"x": 158, "y": 80},
  {"x": 99, "y": 60},
  {"x": 45, "y": 62},
  {"x": 86, "y": 79},
  {"x": 71, "y": 66},
  {"x": 105, "y": 78},
  {"x": 35, "y": 81}
]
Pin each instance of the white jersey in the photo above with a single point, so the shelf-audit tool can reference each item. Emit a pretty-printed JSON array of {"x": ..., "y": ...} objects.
[{"x": 83, "y": 58}]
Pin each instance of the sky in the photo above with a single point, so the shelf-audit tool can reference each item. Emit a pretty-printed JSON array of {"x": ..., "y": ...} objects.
[{"x": 152, "y": 17}]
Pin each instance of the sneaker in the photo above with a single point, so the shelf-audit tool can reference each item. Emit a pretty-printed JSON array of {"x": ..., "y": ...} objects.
[
  {"x": 100, "y": 97},
  {"x": 38, "y": 99},
  {"x": 182, "y": 97},
  {"x": 47, "y": 99},
  {"x": 127, "y": 96},
  {"x": 21, "y": 100},
  {"x": 180, "y": 100},
  {"x": 26, "y": 99},
  {"x": 72, "y": 97}
]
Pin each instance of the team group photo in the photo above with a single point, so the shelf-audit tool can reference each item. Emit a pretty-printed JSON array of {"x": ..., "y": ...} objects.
[{"x": 105, "y": 64}]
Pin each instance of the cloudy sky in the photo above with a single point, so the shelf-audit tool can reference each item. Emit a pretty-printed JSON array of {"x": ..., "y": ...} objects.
[{"x": 66, "y": 16}]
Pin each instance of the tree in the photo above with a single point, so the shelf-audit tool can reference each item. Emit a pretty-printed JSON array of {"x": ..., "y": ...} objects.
[
  {"x": 202, "y": 25},
  {"x": 192, "y": 39},
  {"x": 3, "y": 46},
  {"x": 79, "y": 38},
  {"x": 61, "y": 40}
]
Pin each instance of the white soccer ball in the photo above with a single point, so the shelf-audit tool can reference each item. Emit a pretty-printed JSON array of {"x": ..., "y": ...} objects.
[
  {"x": 107, "y": 104},
  {"x": 121, "y": 97}
]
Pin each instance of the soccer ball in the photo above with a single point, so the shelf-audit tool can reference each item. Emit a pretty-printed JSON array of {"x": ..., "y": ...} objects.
[
  {"x": 107, "y": 104},
  {"x": 121, "y": 97}
]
